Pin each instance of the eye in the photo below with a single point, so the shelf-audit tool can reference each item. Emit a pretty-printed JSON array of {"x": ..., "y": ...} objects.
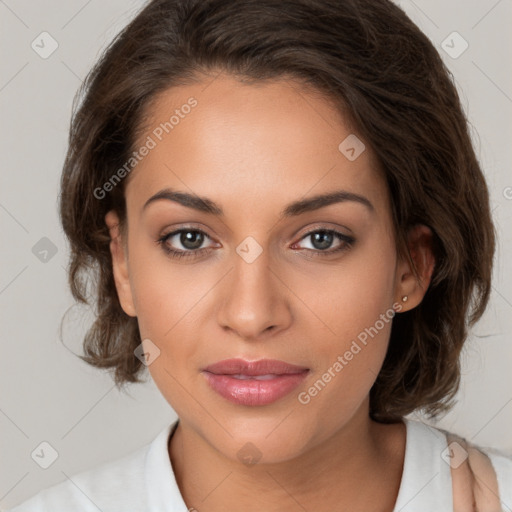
[
  {"x": 323, "y": 239},
  {"x": 190, "y": 239}
]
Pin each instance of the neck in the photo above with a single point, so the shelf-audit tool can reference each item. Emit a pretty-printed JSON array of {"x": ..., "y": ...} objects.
[{"x": 333, "y": 475}]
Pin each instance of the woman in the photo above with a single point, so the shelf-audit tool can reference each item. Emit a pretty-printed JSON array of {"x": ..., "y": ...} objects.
[{"x": 277, "y": 201}]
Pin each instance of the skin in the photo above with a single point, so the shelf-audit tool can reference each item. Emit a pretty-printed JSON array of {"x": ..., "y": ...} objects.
[{"x": 253, "y": 149}]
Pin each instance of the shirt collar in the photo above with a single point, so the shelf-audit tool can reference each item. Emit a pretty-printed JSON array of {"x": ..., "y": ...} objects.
[
  {"x": 163, "y": 493},
  {"x": 426, "y": 477},
  {"x": 425, "y": 483}
]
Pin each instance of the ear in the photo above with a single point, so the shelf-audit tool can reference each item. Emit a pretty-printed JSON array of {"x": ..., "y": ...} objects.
[
  {"x": 419, "y": 241},
  {"x": 120, "y": 264}
]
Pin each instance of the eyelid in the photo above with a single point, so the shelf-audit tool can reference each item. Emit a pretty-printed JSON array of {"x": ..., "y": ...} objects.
[
  {"x": 310, "y": 230},
  {"x": 190, "y": 227},
  {"x": 177, "y": 230},
  {"x": 325, "y": 226}
]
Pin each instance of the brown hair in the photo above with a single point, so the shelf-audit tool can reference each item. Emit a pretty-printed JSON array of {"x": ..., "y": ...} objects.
[{"x": 384, "y": 73}]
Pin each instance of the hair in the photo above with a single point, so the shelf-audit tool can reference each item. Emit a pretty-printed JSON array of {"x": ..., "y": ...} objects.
[{"x": 384, "y": 75}]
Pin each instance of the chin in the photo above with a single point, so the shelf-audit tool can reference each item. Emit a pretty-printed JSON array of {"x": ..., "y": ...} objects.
[{"x": 265, "y": 438}]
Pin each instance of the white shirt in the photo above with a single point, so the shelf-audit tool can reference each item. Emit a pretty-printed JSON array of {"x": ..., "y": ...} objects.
[{"x": 144, "y": 480}]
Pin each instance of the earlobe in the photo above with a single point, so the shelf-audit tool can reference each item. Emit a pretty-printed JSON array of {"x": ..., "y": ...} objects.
[
  {"x": 420, "y": 246},
  {"x": 120, "y": 264}
]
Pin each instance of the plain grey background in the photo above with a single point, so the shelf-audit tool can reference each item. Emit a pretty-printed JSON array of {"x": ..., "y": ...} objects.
[{"x": 47, "y": 393}]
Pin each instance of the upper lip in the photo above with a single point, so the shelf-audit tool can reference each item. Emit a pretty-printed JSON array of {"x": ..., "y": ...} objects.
[{"x": 253, "y": 368}]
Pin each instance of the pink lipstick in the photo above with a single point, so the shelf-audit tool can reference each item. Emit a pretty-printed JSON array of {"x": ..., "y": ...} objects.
[{"x": 254, "y": 382}]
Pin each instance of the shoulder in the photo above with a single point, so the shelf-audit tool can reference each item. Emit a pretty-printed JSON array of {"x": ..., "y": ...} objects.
[
  {"x": 502, "y": 464},
  {"x": 461, "y": 453},
  {"x": 433, "y": 464},
  {"x": 114, "y": 486}
]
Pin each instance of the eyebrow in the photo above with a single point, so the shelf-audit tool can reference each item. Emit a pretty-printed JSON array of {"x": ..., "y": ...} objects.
[{"x": 206, "y": 205}]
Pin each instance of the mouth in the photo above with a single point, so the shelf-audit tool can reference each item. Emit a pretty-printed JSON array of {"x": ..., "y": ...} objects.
[{"x": 254, "y": 383}]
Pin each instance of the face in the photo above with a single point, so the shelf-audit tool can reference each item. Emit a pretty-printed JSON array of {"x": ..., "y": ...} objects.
[{"x": 251, "y": 277}]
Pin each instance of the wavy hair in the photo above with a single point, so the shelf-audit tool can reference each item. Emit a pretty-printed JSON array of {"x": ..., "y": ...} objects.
[{"x": 384, "y": 75}]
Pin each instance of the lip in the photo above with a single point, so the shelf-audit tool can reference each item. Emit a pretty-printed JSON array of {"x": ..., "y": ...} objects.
[{"x": 254, "y": 383}]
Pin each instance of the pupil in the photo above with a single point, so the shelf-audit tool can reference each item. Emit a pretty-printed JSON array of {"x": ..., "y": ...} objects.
[
  {"x": 191, "y": 239},
  {"x": 322, "y": 240}
]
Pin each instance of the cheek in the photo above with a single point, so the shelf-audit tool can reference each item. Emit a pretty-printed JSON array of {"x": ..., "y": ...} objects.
[
  {"x": 168, "y": 300},
  {"x": 347, "y": 367},
  {"x": 166, "y": 304},
  {"x": 354, "y": 294},
  {"x": 162, "y": 290},
  {"x": 356, "y": 305}
]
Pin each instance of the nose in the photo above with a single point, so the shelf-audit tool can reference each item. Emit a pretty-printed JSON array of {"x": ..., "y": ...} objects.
[{"x": 255, "y": 301}]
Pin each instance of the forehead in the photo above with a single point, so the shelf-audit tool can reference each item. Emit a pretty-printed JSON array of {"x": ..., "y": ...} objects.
[{"x": 247, "y": 142}]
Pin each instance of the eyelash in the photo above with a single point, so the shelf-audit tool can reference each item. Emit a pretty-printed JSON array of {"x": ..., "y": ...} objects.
[{"x": 348, "y": 242}]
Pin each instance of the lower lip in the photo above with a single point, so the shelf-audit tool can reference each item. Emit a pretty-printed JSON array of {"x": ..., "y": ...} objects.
[{"x": 254, "y": 392}]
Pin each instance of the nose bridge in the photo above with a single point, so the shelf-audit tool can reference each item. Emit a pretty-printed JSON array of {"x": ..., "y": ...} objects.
[{"x": 254, "y": 299}]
